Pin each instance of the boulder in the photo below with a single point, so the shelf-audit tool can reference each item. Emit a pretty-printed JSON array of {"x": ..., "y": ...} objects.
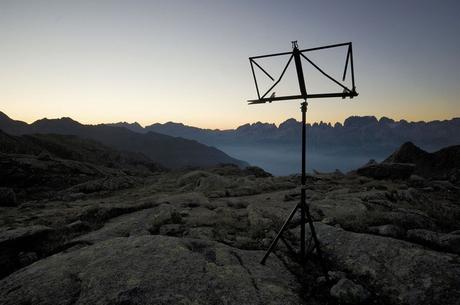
[
  {"x": 388, "y": 230},
  {"x": 336, "y": 275},
  {"x": 143, "y": 222},
  {"x": 339, "y": 209},
  {"x": 214, "y": 185},
  {"x": 192, "y": 177},
  {"x": 257, "y": 172},
  {"x": 190, "y": 200},
  {"x": 131, "y": 224},
  {"x": 450, "y": 242},
  {"x": 104, "y": 184},
  {"x": 206, "y": 233},
  {"x": 201, "y": 217},
  {"x": 172, "y": 229},
  {"x": 416, "y": 179},
  {"x": 18, "y": 246},
  {"x": 22, "y": 235},
  {"x": 236, "y": 203},
  {"x": 348, "y": 292},
  {"x": 387, "y": 170},
  {"x": 424, "y": 237},
  {"x": 227, "y": 170},
  {"x": 152, "y": 270},
  {"x": 7, "y": 197},
  {"x": 44, "y": 156},
  {"x": 440, "y": 241},
  {"x": 329, "y": 221}
]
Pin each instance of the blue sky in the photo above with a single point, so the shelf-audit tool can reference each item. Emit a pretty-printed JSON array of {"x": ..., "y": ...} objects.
[{"x": 187, "y": 61}]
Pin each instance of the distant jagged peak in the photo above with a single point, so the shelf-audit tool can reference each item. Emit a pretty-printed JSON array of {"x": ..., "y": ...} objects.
[
  {"x": 360, "y": 121},
  {"x": 171, "y": 123},
  {"x": 134, "y": 124},
  {"x": 136, "y": 127},
  {"x": 257, "y": 126},
  {"x": 386, "y": 120},
  {"x": 289, "y": 123},
  {"x": 321, "y": 124},
  {"x": 244, "y": 126},
  {"x": 410, "y": 147},
  {"x": 64, "y": 120},
  {"x": 174, "y": 127},
  {"x": 177, "y": 126},
  {"x": 407, "y": 153}
]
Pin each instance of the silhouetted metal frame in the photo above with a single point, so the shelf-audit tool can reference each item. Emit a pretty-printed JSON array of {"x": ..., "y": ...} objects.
[
  {"x": 347, "y": 92},
  {"x": 297, "y": 55}
]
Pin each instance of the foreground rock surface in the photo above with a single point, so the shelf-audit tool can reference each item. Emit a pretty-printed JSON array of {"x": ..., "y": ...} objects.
[
  {"x": 401, "y": 272},
  {"x": 196, "y": 237},
  {"x": 152, "y": 270}
]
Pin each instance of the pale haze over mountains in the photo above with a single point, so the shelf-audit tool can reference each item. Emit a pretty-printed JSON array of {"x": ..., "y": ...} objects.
[{"x": 340, "y": 146}]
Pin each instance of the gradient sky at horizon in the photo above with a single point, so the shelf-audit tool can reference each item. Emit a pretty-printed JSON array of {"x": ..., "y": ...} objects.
[{"x": 186, "y": 61}]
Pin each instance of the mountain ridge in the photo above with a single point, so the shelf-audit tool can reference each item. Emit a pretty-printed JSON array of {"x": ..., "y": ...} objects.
[
  {"x": 276, "y": 148},
  {"x": 440, "y": 132},
  {"x": 329, "y": 147},
  {"x": 289, "y": 130},
  {"x": 169, "y": 151},
  {"x": 70, "y": 147}
]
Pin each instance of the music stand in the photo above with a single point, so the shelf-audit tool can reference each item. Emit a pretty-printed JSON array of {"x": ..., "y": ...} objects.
[{"x": 297, "y": 55}]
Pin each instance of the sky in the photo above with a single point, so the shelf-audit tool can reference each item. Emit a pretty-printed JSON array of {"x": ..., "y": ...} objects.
[{"x": 187, "y": 61}]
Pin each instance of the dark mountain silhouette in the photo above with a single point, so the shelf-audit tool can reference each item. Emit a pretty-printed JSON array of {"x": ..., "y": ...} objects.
[
  {"x": 171, "y": 152},
  {"x": 13, "y": 126},
  {"x": 50, "y": 166},
  {"x": 409, "y": 159},
  {"x": 408, "y": 153},
  {"x": 74, "y": 148},
  {"x": 136, "y": 127},
  {"x": 442, "y": 163}
]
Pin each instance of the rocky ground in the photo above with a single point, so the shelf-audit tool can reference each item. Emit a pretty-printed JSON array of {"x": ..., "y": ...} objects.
[{"x": 197, "y": 237}]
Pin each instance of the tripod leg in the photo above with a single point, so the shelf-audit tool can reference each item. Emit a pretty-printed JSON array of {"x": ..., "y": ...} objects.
[
  {"x": 275, "y": 241},
  {"x": 302, "y": 225},
  {"x": 316, "y": 241}
]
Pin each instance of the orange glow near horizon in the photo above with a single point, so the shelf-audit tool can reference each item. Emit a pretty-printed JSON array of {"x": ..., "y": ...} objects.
[{"x": 250, "y": 114}]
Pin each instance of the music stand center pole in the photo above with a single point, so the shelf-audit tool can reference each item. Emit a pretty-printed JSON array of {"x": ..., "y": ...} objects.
[{"x": 303, "y": 184}]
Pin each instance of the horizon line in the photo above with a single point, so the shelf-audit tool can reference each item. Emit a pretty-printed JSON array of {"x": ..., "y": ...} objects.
[{"x": 223, "y": 129}]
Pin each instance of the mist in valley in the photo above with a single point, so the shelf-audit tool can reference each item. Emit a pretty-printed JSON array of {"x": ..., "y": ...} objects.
[{"x": 281, "y": 161}]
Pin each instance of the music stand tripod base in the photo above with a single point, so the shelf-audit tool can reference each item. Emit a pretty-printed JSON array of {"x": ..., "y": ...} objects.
[{"x": 305, "y": 216}]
